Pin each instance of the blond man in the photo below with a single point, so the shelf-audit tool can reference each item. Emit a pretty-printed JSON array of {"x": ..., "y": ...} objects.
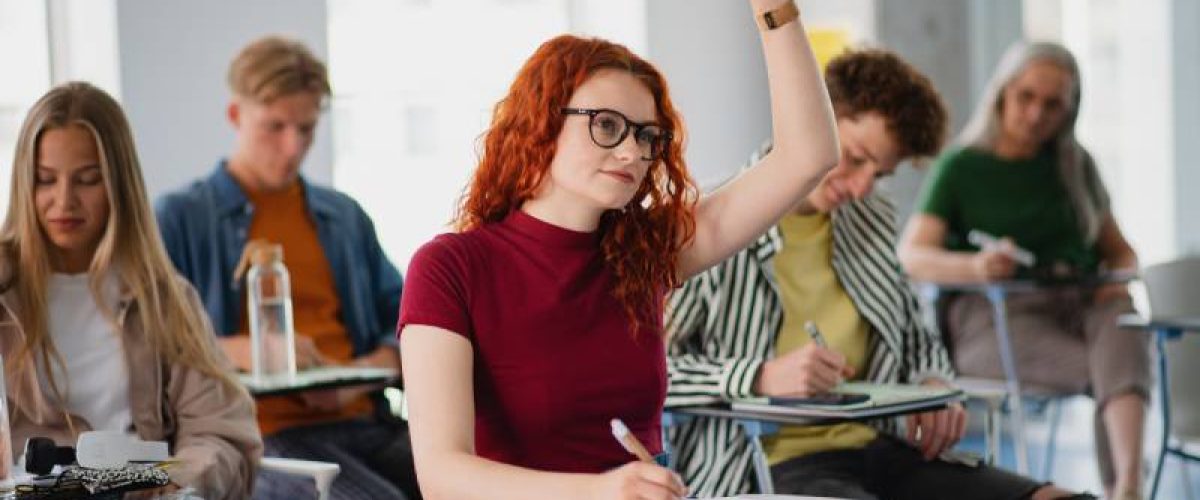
[{"x": 345, "y": 291}]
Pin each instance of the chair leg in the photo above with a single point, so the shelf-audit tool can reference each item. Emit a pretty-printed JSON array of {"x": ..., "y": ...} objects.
[
  {"x": 762, "y": 469},
  {"x": 1187, "y": 479},
  {"x": 1165, "y": 403},
  {"x": 991, "y": 424},
  {"x": 995, "y": 295},
  {"x": 1052, "y": 439}
]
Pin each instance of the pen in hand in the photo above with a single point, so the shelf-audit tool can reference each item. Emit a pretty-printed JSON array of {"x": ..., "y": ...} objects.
[
  {"x": 819, "y": 340},
  {"x": 813, "y": 332},
  {"x": 629, "y": 441},
  {"x": 986, "y": 241},
  {"x": 633, "y": 446}
]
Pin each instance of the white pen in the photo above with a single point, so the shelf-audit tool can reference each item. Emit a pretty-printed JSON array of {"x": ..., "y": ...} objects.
[
  {"x": 988, "y": 242},
  {"x": 629, "y": 441},
  {"x": 813, "y": 332}
]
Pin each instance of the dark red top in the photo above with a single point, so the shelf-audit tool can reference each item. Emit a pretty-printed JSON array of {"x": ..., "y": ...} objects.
[{"x": 555, "y": 360}]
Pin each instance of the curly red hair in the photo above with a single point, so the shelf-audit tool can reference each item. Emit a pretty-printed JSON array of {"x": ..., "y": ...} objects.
[{"x": 641, "y": 243}]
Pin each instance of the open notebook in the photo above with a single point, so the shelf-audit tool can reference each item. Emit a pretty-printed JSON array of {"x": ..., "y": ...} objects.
[{"x": 882, "y": 399}]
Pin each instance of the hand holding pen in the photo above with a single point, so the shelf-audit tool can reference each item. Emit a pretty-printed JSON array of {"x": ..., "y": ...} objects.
[
  {"x": 998, "y": 257},
  {"x": 806, "y": 371},
  {"x": 636, "y": 480}
]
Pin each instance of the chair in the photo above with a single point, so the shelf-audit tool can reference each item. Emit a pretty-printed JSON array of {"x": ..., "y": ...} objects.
[
  {"x": 1174, "y": 291},
  {"x": 323, "y": 473},
  {"x": 1043, "y": 400}
]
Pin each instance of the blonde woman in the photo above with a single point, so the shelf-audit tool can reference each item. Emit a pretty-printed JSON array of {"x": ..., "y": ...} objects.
[{"x": 96, "y": 329}]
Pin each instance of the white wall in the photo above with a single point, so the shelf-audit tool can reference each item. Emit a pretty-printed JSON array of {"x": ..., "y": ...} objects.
[
  {"x": 709, "y": 51},
  {"x": 956, "y": 44},
  {"x": 711, "y": 54},
  {"x": 174, "y": 55},
  {"x": 621, "y": 21},
  {"x": 1185, "y": 45},
  {"x": 83, "y": 46},
  {"x": 1144, "y": 194}
]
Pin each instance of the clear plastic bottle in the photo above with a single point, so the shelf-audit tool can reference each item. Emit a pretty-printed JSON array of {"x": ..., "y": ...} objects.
[{"x": 269, "y": 303}]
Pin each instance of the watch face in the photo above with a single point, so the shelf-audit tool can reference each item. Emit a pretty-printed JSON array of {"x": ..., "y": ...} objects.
[{"x": 769, "y": 18}]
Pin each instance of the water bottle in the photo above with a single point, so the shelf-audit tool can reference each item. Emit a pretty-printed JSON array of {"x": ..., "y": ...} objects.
[{"x": 269, "y": 304}]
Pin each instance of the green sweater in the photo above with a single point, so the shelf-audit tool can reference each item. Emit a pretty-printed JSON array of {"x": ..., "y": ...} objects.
[{"x": 1022, "y": 199}]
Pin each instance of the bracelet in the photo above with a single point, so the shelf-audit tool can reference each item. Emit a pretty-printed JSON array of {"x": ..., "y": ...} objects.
[{"x": 778, "y": 16}]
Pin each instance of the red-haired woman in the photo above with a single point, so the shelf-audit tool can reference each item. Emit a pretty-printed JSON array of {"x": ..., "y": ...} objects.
[{"x": 526, "y": 332}]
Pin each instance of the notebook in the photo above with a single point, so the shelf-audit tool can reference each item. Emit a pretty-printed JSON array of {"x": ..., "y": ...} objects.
[
  {"x": 317, "y": 378},
  {"x": 882, "y": 400}
]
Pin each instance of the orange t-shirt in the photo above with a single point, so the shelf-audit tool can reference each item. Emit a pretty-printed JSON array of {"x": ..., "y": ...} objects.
[{"x": 283, "y": 218}]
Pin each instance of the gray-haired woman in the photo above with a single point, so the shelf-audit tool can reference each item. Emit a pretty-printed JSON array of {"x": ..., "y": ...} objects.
[{"x": 1020, "y": 174}]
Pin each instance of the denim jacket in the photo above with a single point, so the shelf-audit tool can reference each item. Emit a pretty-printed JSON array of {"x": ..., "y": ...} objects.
[{"x": 205, "y": 227}]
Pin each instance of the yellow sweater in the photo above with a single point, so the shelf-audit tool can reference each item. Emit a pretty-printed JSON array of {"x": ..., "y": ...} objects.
[{"x": 810, "y": 291}]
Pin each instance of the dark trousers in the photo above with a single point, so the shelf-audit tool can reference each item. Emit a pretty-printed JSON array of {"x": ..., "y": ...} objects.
[
  {"x": 889, "y": 468},
  {"x": 376, "y": 461}
]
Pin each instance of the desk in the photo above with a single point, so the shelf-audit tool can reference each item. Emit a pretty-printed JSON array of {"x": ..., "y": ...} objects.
[
  {"x": 324, "y": 377},
  {"x": 996, "y": 292},
  {"x": 758, "y": 424},
  {"x": 1164, "y": 329}
]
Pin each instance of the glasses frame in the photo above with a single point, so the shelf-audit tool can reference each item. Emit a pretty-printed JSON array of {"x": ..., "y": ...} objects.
[{"x": 636, "y": 127}]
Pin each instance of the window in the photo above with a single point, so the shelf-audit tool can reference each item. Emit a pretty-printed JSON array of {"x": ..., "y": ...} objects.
[
  {"x": 412, "y": 96},
  {"x": 43, "y": 43},
  {"x": 1124, "y": 54},
  {"x": 25, "y": 64}
]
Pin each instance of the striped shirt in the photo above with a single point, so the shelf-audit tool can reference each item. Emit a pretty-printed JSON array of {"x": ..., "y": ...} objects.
[{"x": 723, "y": 323}]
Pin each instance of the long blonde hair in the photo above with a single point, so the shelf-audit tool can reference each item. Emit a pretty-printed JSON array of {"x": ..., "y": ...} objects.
[
  {"x": 130, "y": 248},
  {"x": 1075, "y": 166}
]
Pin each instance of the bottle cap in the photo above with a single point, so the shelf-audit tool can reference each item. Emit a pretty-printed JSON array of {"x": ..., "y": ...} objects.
[{"x": 257, "y": 252}]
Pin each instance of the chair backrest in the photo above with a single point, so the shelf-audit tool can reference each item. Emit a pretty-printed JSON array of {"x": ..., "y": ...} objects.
[{"x": 1174, "y": 290}]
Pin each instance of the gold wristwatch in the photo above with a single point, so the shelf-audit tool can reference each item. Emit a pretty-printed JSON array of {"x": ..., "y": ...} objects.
[{"x": 778, "y": 16}]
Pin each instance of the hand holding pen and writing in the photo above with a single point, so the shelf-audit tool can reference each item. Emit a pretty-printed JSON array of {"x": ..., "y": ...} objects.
[
  {"x": 998, "y": 257},
  {"x": 640, "y": 480},
  {"x": 807, "y": 371}
]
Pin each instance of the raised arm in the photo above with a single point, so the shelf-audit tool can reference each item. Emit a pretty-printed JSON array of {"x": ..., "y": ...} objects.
[
  {"x": 805, "y": 148},
  {"x": 438, "y": 380}
]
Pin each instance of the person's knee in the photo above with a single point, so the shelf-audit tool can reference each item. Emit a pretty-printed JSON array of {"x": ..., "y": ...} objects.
[{"x": 1123, "y": 398}]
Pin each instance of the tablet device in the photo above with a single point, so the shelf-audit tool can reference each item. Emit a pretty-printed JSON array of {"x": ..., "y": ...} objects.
[{"x": 826, "y": 399}]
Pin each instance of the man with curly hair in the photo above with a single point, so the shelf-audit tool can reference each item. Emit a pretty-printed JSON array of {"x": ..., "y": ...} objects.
[{"x": 737, "y": 331}]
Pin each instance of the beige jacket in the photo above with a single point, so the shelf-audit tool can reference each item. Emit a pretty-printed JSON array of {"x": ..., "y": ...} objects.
[{"x": 210, "y": 428}]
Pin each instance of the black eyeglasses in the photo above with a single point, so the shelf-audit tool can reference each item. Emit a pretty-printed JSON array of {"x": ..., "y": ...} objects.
[{"x": 609, "y": 128}]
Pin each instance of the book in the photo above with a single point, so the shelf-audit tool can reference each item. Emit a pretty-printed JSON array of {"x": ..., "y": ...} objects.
[
  {"x": 321, "y": 377},
  {"x": 882, "y": 400}
]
